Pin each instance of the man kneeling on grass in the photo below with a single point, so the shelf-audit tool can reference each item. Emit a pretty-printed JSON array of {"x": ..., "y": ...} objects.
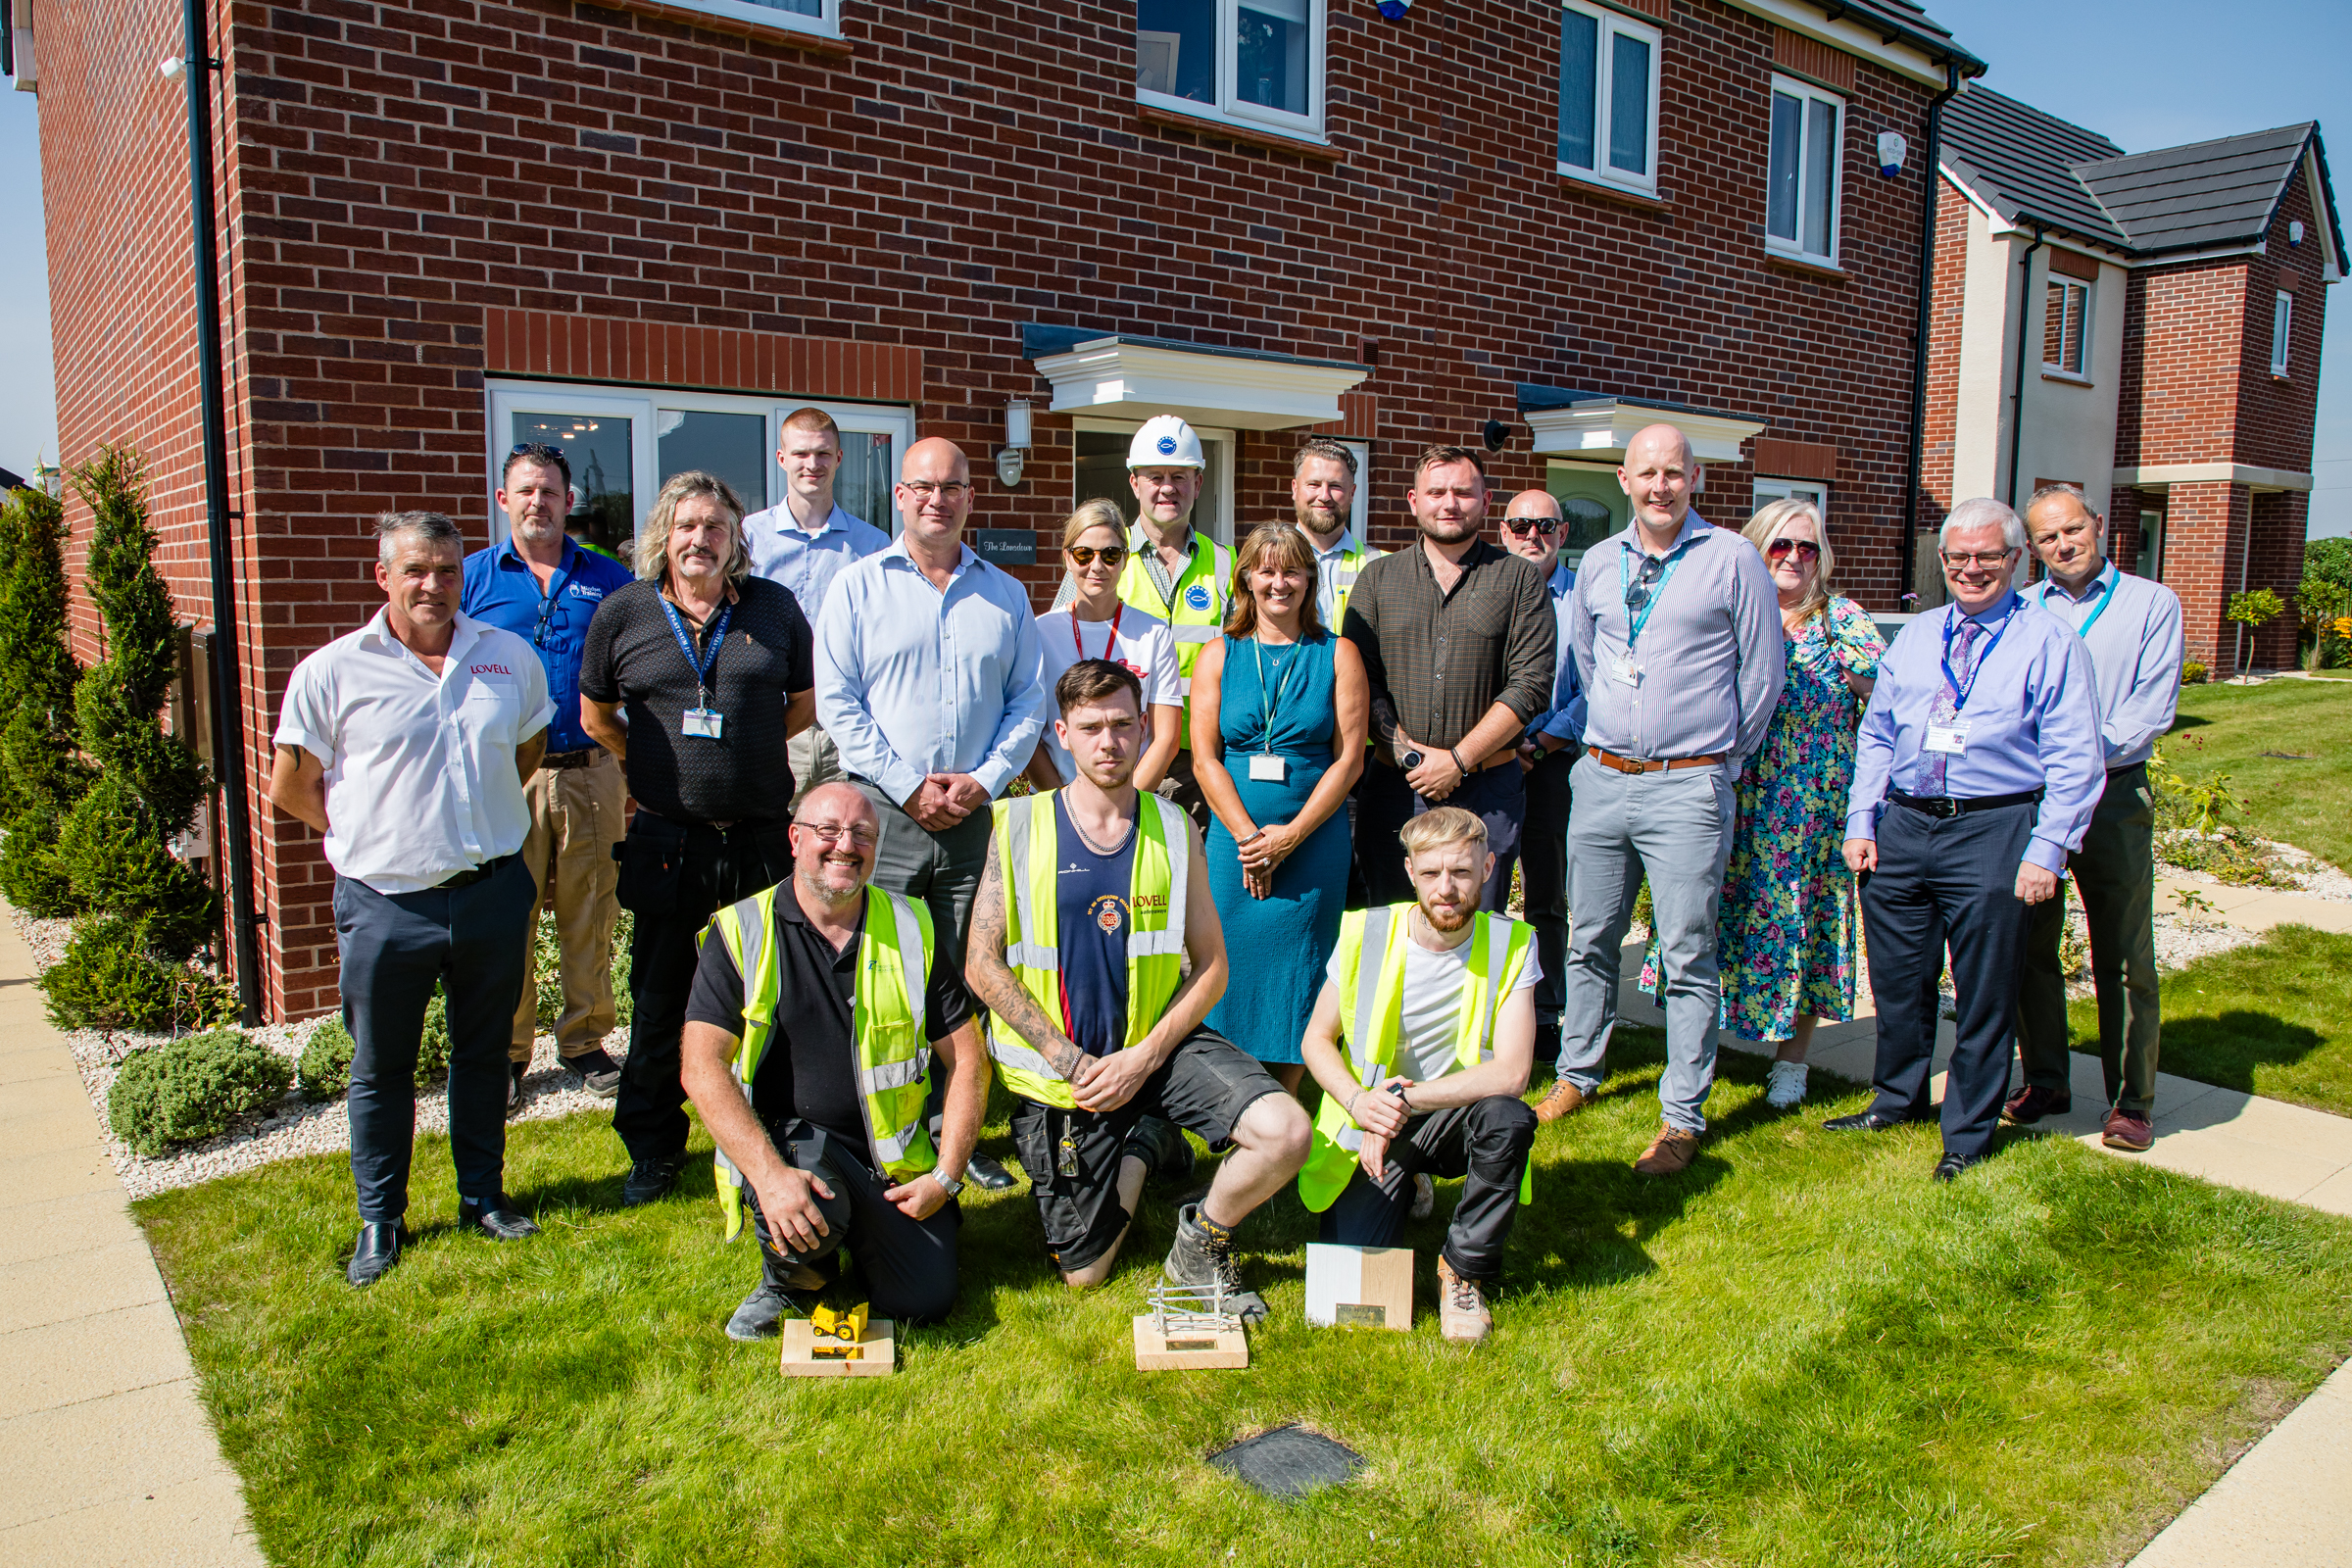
[
  {"x": 1093, "y": 897},
  {"x": 809, "y": 1035},
  {"x": 1435, "y": 1002}
]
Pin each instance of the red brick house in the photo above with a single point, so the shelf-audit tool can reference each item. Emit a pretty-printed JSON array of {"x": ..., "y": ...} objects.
[
  {"x": 2151, "y": 325},
  {"x": 650, "y": 227}
]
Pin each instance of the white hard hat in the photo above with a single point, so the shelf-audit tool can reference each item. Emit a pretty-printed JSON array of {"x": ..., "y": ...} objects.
[{"x": 1165, "y": 442}]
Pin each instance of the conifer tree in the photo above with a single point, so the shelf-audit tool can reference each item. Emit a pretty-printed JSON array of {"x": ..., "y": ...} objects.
[{"x": 41, "y": 774}]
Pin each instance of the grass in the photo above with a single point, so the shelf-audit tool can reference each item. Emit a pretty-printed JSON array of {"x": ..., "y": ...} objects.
[
  {"x": 2273, "y": 1018},
  {"x": 2306, "y": 803},
  {"x": 1799, "y": 1351}
]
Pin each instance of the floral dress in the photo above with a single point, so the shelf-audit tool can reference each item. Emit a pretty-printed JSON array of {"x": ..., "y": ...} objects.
[{"x": 1788, "y": 939}]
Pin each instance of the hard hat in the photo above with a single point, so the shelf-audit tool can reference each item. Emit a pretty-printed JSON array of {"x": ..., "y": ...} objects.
[{"x": 1165, "y": 442}]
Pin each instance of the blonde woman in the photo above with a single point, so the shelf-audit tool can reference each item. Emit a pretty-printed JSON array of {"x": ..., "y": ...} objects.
[
  {"x": 1789, "y": 936},
  {"x": 1095, "y": 624}
]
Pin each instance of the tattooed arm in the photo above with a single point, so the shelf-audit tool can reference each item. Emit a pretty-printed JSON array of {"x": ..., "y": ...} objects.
[{"x": 999, "y": 988}]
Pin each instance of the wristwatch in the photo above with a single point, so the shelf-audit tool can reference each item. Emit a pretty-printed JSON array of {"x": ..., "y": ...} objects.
[
  {"x": 1409, "y": 760},
  {"x": 954, "y": 1184}
]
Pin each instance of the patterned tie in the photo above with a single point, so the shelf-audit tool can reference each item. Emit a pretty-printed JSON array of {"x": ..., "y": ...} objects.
[{"x": 1947, "y": 707}]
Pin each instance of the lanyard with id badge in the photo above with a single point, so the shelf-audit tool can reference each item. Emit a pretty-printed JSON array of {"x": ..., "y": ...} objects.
[
  {"x": 1265, "y": 766},
  {"x": 1950, "y": 736},
  {"x": 702, "y": 718},
  {"x": 1623, "y": 669}
]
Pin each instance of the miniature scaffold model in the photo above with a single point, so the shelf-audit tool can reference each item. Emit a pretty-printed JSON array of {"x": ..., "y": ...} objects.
[{"x": 1190, "y": 1328}]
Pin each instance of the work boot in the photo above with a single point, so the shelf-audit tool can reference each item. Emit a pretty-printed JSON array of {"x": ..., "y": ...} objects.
[
  {"x": 649, "y": 1179},
  {"x": 762, "y": 1315},
  {"x": 1462, "y": 1314},
  {"x": 593, "y": 1071},
  {"x": 1203, "y": 1255},
  {"x": 1564, "y": 1099},
  {"x": 1166, "y": 1154},
  {"x": 987, "y": 1172}
]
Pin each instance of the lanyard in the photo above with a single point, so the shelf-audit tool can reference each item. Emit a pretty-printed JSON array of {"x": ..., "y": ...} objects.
[
  {"x": 701, "y": 667},
  {"x": 1625, "y": 579},
  {"x": 1977, "y": 666},
  {"x": 2106, "y": 598},
  {"x": 1271, "y": 700},
  {"x": 1111, "y": 642}
]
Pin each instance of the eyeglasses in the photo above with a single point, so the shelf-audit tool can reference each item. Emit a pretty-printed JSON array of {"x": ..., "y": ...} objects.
[
  {"x": 1807, "y": 548},
  {"x": 1981, "y": 557},
  {"x": 1546, "y": 527},
  {"x": 1112, "y": 554},
  {"x": 1637, "y": 591},
  {"x": 924, "y": 489},
  {"x": 864, "y": 838}
]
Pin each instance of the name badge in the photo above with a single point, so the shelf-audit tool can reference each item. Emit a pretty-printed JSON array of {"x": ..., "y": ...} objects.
[
  {"x": 1950, "y": 738},
  {"x": 1272, "y": 769},
  {"x": 702, "y": 721},
  {"x": 1625, "y": 671}
]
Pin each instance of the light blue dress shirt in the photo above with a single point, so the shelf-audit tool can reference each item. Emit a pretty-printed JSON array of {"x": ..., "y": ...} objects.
[
  {"x": 1565, "y": 718},
  {"x": 2032, "y": 724},
  {"x": 2135, "y": 642},
  {"x": 911, "y": 681},
  {"x": 786, "y": 553}
]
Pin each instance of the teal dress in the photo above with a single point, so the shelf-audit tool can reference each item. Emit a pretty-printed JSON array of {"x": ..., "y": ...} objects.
[{"x": 1276, "y": 947}]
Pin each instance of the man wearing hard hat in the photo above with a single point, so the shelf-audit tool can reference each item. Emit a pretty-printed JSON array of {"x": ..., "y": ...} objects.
[{"x": 1174, "y": 572}]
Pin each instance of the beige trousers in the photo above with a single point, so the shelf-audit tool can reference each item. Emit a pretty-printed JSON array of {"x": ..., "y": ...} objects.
[
  {"x": 575, "y": 820},
  {"x": 815, "y": 760}
]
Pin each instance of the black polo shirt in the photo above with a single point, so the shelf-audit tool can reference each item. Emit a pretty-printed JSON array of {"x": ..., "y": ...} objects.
[{"x": 810, "y": 1066}]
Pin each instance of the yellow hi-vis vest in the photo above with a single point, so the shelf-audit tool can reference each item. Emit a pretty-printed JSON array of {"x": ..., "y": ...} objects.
[
  {"x": 1351, "y": 565},
  {"x": 1371, "y": 1013},
  {"x": 1194, "y": 617},
  {"x": 1029, "y": 856},
  {"x": 886, "y": 1020}
]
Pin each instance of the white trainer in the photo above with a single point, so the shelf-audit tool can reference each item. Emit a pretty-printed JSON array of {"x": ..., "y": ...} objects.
[{"x": 1784, "y": 1085}]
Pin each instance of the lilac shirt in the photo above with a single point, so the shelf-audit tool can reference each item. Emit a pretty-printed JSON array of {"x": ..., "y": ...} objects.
[{"x": 2032, "y": 724}]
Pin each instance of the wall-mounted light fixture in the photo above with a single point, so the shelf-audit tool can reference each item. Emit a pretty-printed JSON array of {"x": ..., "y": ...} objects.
[
  {"x": 1012, "y": 458},
  {"x": 1496, "y": 433}
]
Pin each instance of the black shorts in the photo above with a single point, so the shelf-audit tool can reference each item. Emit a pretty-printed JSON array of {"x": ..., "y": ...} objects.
[{"x": 1204, "y": 1087}]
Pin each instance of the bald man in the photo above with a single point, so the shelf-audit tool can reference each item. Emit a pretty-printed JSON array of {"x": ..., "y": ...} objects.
[
  {"x": 1676, "y": 631},
  {"x": 1532, "y": 528}
]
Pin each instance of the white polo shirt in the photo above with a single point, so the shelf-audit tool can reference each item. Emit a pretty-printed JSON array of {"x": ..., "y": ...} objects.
[{"x": 421, "y": 781}]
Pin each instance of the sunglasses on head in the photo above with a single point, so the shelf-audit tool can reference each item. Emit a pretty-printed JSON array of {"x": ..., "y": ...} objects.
[
  {"x": 1084, "y": 555},
  {"x": 535, "y": 449},
  {"x": 1807, "y": 548},
  {"x": 1546, "y": 527},
  {"x": 1636, "y": 592}
]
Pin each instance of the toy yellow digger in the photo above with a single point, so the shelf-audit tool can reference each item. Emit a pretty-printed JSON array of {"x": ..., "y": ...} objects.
[{"x": 837, "y": 1334}]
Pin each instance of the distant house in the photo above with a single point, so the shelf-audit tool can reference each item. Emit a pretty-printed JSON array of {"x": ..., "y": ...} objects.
[{"x": 2145, "y": 325}]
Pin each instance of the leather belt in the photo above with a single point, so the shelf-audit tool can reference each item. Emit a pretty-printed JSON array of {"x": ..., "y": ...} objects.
[
  {"x": 467, "y": 878},
  {"x": 1654, "y": 764},
  {"x": 1949, "y": 805},
  {"x": 560, "y": 762}
]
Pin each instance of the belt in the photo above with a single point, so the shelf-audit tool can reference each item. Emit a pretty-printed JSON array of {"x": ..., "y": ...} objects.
[
  {"x": 468, "y": 877},
  {"x": 560, "y": 762},
  {"x": 1948, "y": 806},
  {"x": 1654, "y": 764}
]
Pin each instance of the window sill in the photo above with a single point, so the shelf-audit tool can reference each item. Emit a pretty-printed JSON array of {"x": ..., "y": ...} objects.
[
  {"x": 1640, "y": 200},
  {"x": 1233, "y": 130},
  {"x": 2281, "y": 375},
  {"x": 2067, "y": 378},
  {"x": 781, "y": 33},
  {"x": 1806, "y": 266}
]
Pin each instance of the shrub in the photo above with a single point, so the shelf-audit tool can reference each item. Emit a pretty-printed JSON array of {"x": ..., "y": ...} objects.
[
  {"x": 327, "y": 1054},
  {"x": 2193, "y": 674},
  {"x": 624, "y": 932},
  {"x": 41, "y": 775},
  {"x": 192, "y": 1089},
  {"x": 112, "y": 978},
  {"x": 548, "y": 1005}
]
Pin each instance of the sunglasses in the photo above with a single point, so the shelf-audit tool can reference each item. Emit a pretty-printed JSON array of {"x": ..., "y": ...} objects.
[
  {"x": 1637, "y": 591},
  {"x": 1807, "y": 548},
  {"x": 1546, "y": 527},
  {"x": 1112, "y": 554},
  {"x": 535, "y": 449}
]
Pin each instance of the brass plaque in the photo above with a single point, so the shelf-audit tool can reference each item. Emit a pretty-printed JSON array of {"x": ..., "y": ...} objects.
[{"x": 1358, "y": 1315}]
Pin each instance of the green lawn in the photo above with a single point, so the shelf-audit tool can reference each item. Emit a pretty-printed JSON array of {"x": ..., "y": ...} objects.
[
  {"x": 2306, "y": 803},
  {"x": 1799, "y": 1351}
]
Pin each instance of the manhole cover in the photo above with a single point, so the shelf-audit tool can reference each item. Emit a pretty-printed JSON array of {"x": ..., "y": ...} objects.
[{"x": 1289, "y": 1461}]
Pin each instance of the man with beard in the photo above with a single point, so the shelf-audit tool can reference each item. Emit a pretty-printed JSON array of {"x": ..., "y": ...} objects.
[
  {"x": 711, "y": 667},
  {"x": 1423, "y": 1057},
  {"x": 822, "y": 1009},
  {"x": 1459, "y": 644},
  {"x": 1094, "y": 898},
  {"x": 543, "y": 586}
]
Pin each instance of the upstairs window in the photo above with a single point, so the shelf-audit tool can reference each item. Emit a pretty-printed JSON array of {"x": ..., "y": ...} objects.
[
  {"x": 1608, "y": 97},
  {"x": 2282, "y": 320},
  {"x": 1251, "y": 60},
  {"x": 1800, "y": 209},
  {"x": 2064, "y": 326},
  {"x": 798, "y": 16}
]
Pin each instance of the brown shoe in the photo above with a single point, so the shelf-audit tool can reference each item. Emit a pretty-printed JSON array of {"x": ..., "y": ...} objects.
[
  {"x": 1564, "y": 1099},
  {"x": 2029, "y": 1104},
  {"x": 2127, "y": 1130},
  {"x": 1671, "y": 1151},
  {"x": 1462, "y": 1314}
]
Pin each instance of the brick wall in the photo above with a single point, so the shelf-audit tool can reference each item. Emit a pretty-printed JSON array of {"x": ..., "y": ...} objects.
[
  {"x": 1948, "y": 302},
  {"x": 2205, "y": 540}
]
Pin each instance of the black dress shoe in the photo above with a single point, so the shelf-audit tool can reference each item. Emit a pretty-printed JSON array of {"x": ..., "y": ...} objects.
[
  {"x": 497, "y": 1219},
  {"x": 649, "y": 1179},
  {"x": 1867, "y": 1121},
  {"x": 378, "y": 1249},
  {"x": 1950, "y": 1167},
  {"x": 987, "y": 1173}
]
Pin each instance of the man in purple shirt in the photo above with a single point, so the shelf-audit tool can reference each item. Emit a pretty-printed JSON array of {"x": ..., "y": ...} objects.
[{"x": 1976, "y": 771}]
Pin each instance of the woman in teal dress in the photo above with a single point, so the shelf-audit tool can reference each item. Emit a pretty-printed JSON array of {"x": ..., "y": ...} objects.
[{"x": 1278, "y": 709}]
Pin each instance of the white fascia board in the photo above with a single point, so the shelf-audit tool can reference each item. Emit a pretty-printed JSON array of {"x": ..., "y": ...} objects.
[
  {"x": 1999, "y": 222},
  {"x": 1600, "y": 428},
  {"x": 2177, "y": 258},
  {"x": 2332, "y": 266},
  {"x": 2212, "y": 472},
  {"x": 1854, "y": 39},
  {"x": 1135, "y": 382}
]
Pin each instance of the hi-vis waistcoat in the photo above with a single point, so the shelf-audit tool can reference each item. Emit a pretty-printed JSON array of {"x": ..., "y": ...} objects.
[
  {"x": 1199, "y": 610},
  {"x": 1371, "y": 1013},
  {"x": 1349, "y": 566},
  {"x": 886, "y": 1020},
  {"x": 1026, "y": 830}
]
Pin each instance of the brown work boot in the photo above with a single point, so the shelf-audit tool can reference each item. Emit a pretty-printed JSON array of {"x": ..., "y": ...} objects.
[
  {"x": 1668, "y": 1153},
  {"x": 2127, "y": 1130},
  {"x": 1563, "y": 1099},
  {"x": 1462, "y": 1314}
]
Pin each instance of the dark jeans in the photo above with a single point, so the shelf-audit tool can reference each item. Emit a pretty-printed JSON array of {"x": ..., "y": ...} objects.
[
  {"x": 906, "y": 1267},
  {"x": 1487, "y": 1142},
  {"x": 1544, "y": 869},
  {"x": 1497, "y": 797},
  {"x": 1946, "y": 881},
  {"x": 2115, "y": 872},
  {"x": 1380, "y": 803},
  {"x": 673, "y": 877},
  {"x": 394, "y": 946}
]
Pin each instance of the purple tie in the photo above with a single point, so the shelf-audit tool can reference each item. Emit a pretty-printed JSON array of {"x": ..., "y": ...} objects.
[{"x": 1947, "y": 707}]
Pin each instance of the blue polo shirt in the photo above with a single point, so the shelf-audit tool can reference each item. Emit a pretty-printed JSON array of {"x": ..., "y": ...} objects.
[{"x": 501, "y": 590}]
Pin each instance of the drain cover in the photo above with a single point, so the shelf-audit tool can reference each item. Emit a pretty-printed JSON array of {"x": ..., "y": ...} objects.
[{"x": 1289, "y": 1461}]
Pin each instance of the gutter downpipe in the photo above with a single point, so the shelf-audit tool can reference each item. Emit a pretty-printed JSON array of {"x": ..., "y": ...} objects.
[
  {"x": 1919, "y": 337},
  {"x": 229, "y": 706},
  {"x": 2024, "y": 345}
]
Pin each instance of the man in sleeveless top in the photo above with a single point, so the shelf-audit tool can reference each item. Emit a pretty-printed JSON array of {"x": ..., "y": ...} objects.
[{"x": 1092, "y": 899}]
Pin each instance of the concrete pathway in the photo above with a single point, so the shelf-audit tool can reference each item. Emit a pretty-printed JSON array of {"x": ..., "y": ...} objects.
[
  {"x": 105, "y": 1454},
  {"x": 2256, "y": 909}
]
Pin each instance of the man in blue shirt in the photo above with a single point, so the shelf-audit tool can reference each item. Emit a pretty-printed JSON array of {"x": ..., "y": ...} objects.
[
  {"x": 2132, "y": 627},
  {"x": 1974, "y": 774},
  {"x": 542, "y": 586}
]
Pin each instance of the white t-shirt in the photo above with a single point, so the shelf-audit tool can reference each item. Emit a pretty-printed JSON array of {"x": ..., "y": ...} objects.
[
  {"x": 1430, "y": 1014},
  {"x": 1139, "y": 641},
  {"x": 421, "y": 779}
]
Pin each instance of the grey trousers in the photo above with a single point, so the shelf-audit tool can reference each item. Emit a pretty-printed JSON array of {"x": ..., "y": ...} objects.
[
  {"x": 2115, "y": 872},
  {"x": 1676, "y": 827}
]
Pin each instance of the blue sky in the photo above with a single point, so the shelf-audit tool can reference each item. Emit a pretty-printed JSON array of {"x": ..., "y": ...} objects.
[{"x": 2145, "y": 74}]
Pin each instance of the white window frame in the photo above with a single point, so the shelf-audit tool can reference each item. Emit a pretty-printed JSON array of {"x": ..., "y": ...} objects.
[
  {"x": 1806, "y": 93},
  {"x": 826, "y": 23},
  {"x": 2057, "y": 367},
  {"x": 1817, "y": 491},
  {"x": 1360, "y": 504},
  {"x": 643, "y": 405},
  {"x": 2151, "y": 547},
  {"x": 1213, "y": 512},
  {"x": 2283, "y": 332},
  {"x": 1611, "y": 24},
  {"x": 1230, "y": 106}
]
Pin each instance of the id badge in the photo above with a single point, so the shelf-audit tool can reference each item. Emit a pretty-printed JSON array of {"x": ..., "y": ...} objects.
[
  {"x": 1950, "y": 738},
  {"x": 1271, "y": 770},
  {"x": 1624, "y": 670},
  {"x": 702, "y": 721}
]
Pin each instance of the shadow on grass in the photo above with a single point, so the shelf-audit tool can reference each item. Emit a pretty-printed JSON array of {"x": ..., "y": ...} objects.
[{"x": 2228, "y": 1049}]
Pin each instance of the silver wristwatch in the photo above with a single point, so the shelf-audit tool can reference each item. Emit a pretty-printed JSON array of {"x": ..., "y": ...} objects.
[{"x": 954, "y": 1186}]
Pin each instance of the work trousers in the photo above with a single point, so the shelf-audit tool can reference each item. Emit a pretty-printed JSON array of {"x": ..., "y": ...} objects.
[
  {"x": 673, "y": 877},
  {"x": 2115, "y": 872},
  {"x": 1544, "y": 879},
  {"x": 1182, "y": 789},
  {"x": 1675, "y": 827},
  {"x": 1486, "y": 1141},
  {"x": 1946, "y": 882},
  {"x": 906, "y": 1267},
  {"x": 393, "y": 947},
  {"x": 815, "y": 760},
  {"x": 575, "y": 820}
]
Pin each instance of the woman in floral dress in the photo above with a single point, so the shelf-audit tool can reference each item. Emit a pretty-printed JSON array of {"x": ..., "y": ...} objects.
[{"x": 1789, "y": 938}]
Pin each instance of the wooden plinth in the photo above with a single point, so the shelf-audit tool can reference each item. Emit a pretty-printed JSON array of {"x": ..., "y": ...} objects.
[{"x": 1156, "y": 1351}]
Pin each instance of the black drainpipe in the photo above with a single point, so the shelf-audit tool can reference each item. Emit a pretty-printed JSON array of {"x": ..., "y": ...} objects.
[
  {"x": 2025, "y": 346},
  {"x": 1919, "y": 337}
]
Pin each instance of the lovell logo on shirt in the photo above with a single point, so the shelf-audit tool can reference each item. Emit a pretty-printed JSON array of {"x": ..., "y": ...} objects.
[{"x": 489, "y": 670}]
